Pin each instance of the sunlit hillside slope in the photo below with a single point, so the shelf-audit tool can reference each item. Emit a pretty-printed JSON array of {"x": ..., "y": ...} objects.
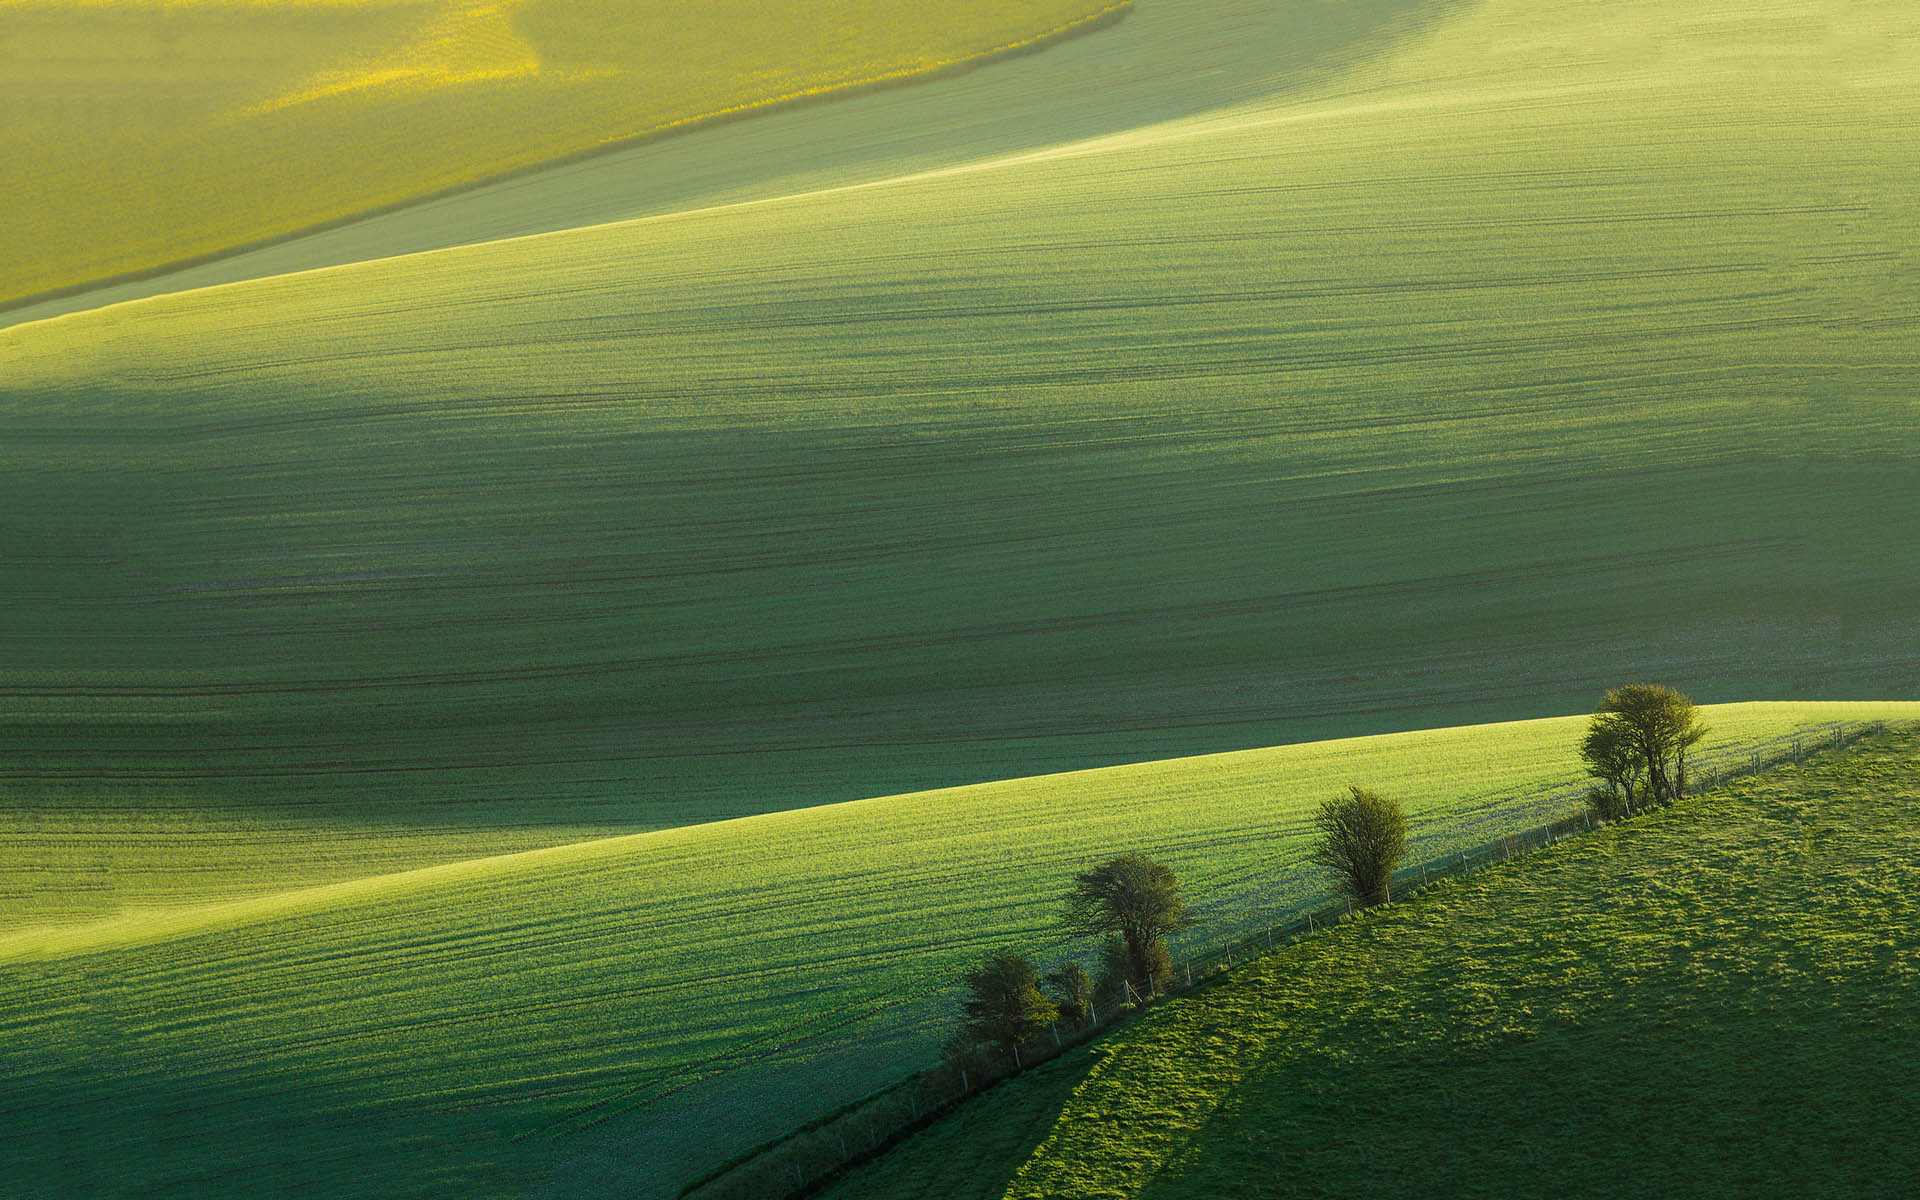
[
  {"x": 1551, "y": 346},
  {"x": 1713, "y": 1002},
  {"x": 1164, "y": 60},
  {"x": 149, "y": 133},
  {"x": 613, "y": 1017}
]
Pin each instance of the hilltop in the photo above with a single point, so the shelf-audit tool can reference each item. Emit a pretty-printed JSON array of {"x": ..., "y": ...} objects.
[
  {"x": 165, "y": 133},
  {"x": 1451, "y": 390}
]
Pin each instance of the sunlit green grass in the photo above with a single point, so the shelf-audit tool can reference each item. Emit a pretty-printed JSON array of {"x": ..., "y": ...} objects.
[
  {"x": 1530, "y": 356},
  {"x": 639, "y": 1008},
  {"x": 158, "y": 132},
  {"x": 1528, "y": 348},
  {"x": 1711, "y": 1002}
]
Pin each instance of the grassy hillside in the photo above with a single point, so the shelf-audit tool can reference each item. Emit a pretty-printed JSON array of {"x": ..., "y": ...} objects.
[
  {"x": 161, "y": 131},
  {"x": 616, "y": 1016},
  {"x": 1521, "y": 357},
  {"x": 1166, "y": 59},
  {"x": 1712, "y": 1002}
]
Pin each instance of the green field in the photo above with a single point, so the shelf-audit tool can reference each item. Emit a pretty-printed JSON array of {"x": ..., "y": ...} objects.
[
  {"x": 159, "y": 132},
  {"x": 619, "y": 1015},
  {"x": 1713, "y": 1002},
  {"x": 1453, "y": 391},
  {"x": 1247, "y": 374}
]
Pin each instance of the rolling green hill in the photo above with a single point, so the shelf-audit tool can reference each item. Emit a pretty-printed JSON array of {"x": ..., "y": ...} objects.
[
  {"x": 1711, "y": 1002},
  {"x": 1524, "y": 356},
  {"x": 1165, "y": 60},
  {"x": 1479, "y": 356},
  {"x": 617, "y": 1016},
  {"x": 162, "y": 132}
]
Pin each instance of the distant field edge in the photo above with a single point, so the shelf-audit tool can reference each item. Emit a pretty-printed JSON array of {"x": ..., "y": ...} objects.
[
  {"x": 43, "y": 942},
  {"x": 1091, "y": 22}
]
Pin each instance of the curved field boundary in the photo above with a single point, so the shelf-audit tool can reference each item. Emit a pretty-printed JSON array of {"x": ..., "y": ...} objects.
[
  {"x": 1100, "y": 19},
  {"x": 632, "y": 1011},
  {"x": 807, "y": 1159}
]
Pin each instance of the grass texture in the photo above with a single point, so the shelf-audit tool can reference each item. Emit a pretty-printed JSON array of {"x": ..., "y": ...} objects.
[
  {"x": 1540, "y": 348},
  {"x": 1712, "y": 1001},
  {"x": 616, "y": 1016},
  {"x": 158, "y": 132},
  {"x": 1165, "y": 60}
]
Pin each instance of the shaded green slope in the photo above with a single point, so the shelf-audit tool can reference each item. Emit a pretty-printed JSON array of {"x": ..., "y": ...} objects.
[
  {"x": 619, "y": 1015},
  {"x": 1711, "y": 1002},
  {"x": 1529, "y": 356}
]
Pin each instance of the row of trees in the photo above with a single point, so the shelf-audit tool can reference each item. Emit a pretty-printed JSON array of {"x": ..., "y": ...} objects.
[
  {"x": 1135, "y": 903},
  {"x": 1635, "y": 748}
]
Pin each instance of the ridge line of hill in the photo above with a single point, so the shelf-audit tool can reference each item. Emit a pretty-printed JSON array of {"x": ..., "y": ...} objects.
[
  {"x": 137, "y": 925},
  {"x": 947, "y": 69},
  {"x": 1219, "y": 123},
  {"x": 158, "y": 923}
]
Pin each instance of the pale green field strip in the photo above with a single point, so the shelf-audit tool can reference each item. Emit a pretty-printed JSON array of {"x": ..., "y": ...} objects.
[
  {"x": 162, "y": 132},
  {"x": 82, "y": 863},
  {"x": 1709, "y": 1002},
  {"x": 1168, "y": 59},
  {"x": 1527, "y": 356},
  {"x": 645, "y": 1006}
]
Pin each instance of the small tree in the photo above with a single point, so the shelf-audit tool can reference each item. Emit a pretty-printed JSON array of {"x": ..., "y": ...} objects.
[
  {"x": 1612, "y": 759},
  {"x": 1362, "y": 836},
  {"x": 1071, "y": 990},
  {"x": 1004, "y": 1005},
  {"x": 1638, "y": 741},
  {"x": 1138, "y": 899}
]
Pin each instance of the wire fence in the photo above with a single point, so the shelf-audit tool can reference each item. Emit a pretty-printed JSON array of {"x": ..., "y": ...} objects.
[{"x": 805, "y": 1160}]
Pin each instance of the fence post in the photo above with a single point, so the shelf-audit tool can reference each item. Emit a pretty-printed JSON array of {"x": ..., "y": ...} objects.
[{"x": 1017, "y": 1064}]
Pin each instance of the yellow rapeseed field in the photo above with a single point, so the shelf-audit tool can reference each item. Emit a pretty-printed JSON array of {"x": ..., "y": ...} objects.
[{"x": 138, "y": 134}]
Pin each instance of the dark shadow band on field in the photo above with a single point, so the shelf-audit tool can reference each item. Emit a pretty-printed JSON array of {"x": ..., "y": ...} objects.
[{"x": 1112, "y": 14}]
